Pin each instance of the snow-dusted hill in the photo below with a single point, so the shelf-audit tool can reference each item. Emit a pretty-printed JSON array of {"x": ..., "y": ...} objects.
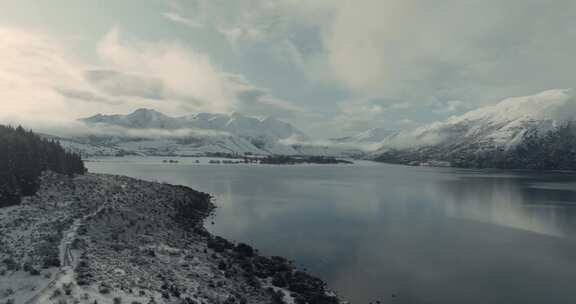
[{"x": 489, "y": 136}]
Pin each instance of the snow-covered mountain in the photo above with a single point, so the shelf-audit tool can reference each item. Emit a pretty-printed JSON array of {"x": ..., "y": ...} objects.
[
  {"x": 149, "y": 132},
  {"x": 374, "y": 135},
  {"x": 489, "y": 136},
  {"x": 236, "y": 123},
  {"x": 139, "y": 119}
]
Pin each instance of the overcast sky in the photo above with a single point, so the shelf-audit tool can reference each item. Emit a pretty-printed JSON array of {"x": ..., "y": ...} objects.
[{"x": 331, "y": 67}]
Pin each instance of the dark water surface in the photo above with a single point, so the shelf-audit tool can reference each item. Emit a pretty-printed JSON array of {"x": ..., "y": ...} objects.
[{"x": 393, "y": 233}]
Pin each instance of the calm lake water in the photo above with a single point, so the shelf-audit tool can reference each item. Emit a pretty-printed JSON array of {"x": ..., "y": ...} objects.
[{"x": 393, "y": 233}]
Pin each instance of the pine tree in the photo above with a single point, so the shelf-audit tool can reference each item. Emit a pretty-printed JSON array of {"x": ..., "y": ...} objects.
[{"x": 24, "y": 156}]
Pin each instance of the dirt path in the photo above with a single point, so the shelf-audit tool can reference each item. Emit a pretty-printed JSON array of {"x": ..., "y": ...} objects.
[{"x": 67, "y": 260}]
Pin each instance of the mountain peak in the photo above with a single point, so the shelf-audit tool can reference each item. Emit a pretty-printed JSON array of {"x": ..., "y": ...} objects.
[
  {"x": 526, "y": 132},
  {"x": 268, "y": 119},
  {"x": 146, "y": 111},
  {"x": 503, "y": 124},
  {"x": 236, "y": 114},
  {"x": 235, "y": 123}
]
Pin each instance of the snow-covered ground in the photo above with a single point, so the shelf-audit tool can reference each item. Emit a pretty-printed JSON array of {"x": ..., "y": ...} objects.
[{"x": 112, "y": 239}]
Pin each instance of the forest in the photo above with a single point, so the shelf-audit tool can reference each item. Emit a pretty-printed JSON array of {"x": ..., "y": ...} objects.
[{"x": 24, "y": 155}]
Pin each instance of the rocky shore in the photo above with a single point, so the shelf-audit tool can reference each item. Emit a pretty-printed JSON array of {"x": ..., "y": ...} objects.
[{"x": 112, "y": 239}]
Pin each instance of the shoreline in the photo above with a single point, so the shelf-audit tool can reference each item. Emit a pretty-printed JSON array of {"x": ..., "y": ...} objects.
[{"x": 135, "y": 241}]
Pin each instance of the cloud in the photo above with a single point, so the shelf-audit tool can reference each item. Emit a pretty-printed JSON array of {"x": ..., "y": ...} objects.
[
  {"x": 117, "y": 83},
  {"x": 40, "y": 79},
  {"x": 416, "y": 52},
  {"x": 362, "y": 109},
  {"x": 241, "y": 33},
  {"x": 361, "y": 114},
  {"x": 449, "y": 107},
  {"x": 72, "y": 129},
  {"x": 182, "y": 73},
  {"x": 475, "y": 51},
  {"x": 407, "y": 124},
  {"x": 344, "y": 147},
  {"x": 87, "y": 96},
  {"x": 175, "y": 17},
  {"x": 43, "y": 83},
  {"x": 260, "y": 101}
]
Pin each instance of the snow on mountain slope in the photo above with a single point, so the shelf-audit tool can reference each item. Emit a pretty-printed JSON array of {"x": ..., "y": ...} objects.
[
  {"x": 502, "y": 126},
  {"x": 236, "y": 123},
  {"x": 191, "y": 146},
  {"x": 140, "y": 119},
  {"x": 148, "y": 132},
  {"x": 374, "y": 135}
]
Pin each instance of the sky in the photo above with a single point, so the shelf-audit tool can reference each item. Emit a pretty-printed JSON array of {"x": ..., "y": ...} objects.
[{"x": 330, "y": 67}]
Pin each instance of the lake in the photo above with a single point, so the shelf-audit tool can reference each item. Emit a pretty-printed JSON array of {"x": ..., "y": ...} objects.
[{"x": 393, "y": 233}]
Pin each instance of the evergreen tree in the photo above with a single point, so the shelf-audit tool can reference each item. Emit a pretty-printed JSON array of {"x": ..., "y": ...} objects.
[{"x": 24, "y": 156}]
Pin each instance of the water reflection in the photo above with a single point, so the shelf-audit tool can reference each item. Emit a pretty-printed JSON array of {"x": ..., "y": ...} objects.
[
  {"x": 399, "y": 234},
  {"x": 521, "y": 202}
]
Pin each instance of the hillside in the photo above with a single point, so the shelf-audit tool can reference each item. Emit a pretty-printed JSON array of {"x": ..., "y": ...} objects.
[
  {"x": 67, "y": 237},
  {"x": 530, "y": 132},
  {"x": 111, "y": 239}
]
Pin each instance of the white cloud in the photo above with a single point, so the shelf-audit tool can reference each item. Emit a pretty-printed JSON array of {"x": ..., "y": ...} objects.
[
  {"x": 361, "y": 109},
  {"x": 401, "y": 106},
  {"x": 362, "y": 114},
  {"x": 42, "y": 82},
  {"x": 175, "y": 72},
  {"x": 401, "y": 48},
  {"x": 474, "y": 51},
  {"x": 241, "y": 33},
  {"x": 412, "y": 51},
  {"x": 183, "y": 72},
  {"x": 258, "y": 100},
  {"x": 34, "y": 69},
  {"x": 177, "y": 18},
  {"x": 353, "y": 117},
  {"x": 449, "y": 107},
  {"x": 407, "y": 124}
]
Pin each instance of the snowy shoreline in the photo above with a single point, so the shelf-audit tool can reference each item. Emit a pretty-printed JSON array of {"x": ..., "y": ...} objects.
[{"x": 114, "y": 239}]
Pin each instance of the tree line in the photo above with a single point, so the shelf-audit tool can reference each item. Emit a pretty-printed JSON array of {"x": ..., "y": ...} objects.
[{"x": 24, "y": 156}]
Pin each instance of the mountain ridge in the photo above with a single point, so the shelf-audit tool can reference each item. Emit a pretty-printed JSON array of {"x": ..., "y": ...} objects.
[
  {"x": 148, "y": 132},
  {"x": 235, "y": 123},
  {"x": 492, "y": 136}
]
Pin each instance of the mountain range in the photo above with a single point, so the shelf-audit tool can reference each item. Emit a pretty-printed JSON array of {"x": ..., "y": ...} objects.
[
  {"x": 534, "y": 132},
  {"x": 235, "y": 123},
  {"x": 149, "y": 132}
]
